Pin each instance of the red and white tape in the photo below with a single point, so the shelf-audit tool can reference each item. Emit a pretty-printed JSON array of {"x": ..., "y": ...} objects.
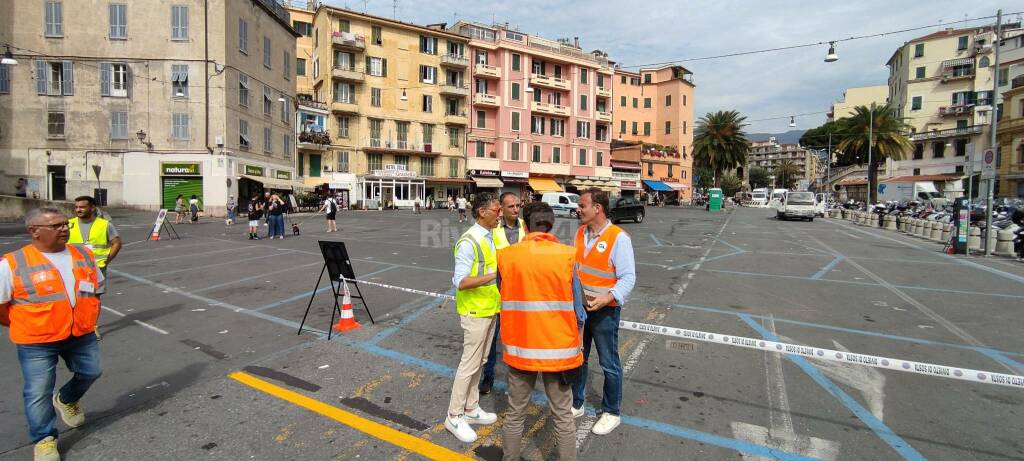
[{"x": 907, "y": 366}]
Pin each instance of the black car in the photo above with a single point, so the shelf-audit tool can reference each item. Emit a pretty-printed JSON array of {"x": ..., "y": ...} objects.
[{"x": 623, "y": 208}]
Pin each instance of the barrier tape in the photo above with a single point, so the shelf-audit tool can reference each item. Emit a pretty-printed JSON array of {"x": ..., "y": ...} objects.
[{"x": 907, "y": 366}]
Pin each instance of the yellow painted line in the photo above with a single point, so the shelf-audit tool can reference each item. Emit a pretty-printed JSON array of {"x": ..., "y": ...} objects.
[{"x": 372, "y": 428}]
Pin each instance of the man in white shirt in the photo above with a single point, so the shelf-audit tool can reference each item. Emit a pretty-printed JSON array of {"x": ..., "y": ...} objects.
[{"x": 460, "y": 203}]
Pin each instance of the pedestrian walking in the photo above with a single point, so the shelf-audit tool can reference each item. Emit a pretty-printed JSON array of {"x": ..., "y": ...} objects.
[
  {"x": 50, "y": 301},
  {"x": 232, "y": 206},
  {"x": 193, "y": 208},
  {"x": 451, "y": 205},
  {"x": 540, "y": 292},
  {"x": 461, "y": 204},
  {"x": 477, "y": 301},
  {"x": 97, "y": 233},
  {"x": 179, "y": 208},
  {"x": 510, "y": 230},
  {"x": 330, "y": 210},
  {"x": 255, "y": 210},
  {"x": 275, "y": 214},
  {"x": 266, "y": 205},
  {"x": 607, "y": 270}
]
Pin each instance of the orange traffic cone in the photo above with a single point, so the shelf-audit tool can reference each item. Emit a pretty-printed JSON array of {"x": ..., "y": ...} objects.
[{"x": 347, "y": 321}]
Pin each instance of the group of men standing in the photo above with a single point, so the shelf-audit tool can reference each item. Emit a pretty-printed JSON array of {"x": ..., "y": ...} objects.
[{"x": 552, "y": 301}]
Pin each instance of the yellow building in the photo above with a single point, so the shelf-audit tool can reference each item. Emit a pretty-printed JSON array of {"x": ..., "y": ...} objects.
[
  {"x": 396, "y": 95},
  {"x": 1011, "y": 142},
  {"x": 860, "y": 96}
]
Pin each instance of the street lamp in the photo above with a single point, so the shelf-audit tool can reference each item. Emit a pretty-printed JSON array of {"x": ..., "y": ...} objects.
[
  {"x": 142, "y": 138},
  {"x": 831, "y": 56},
  {"x": 9, "y": 58}
]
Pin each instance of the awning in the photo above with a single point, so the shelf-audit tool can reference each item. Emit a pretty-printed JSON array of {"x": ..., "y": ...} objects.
[
  {"x": 657, "y": 186},
  {"x": 544, "y": 185},
  {"x": 576, "y": 182},
  {"x": 677, "y": 186},
  {"x": 279, "y": 184},
  {"x": 488, "y": 182},
  {"x": 957, "y": 62}
]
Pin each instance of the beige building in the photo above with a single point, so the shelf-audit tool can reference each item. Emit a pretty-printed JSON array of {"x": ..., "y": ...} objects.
[
  {"x": 768, "y": 154},
  {"x": 860, "y": 96},
  {"x": 397, "y": 99},
  {"x": 208, "y": 113}
]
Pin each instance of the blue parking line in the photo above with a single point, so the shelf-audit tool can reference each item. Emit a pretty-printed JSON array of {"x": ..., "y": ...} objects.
[
  {"x": 999, "y": 357},
  {"x": 655, "y": 239},
  {"x": 420, "y": 305},
  {"x": 734, "y": 247},
  {"x": 828, "y": 268},
  {"x": 877, "y": 426},
  {"x": 310, "y": 292}
]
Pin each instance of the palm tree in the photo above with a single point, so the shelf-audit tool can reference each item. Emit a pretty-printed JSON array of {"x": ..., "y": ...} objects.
[
  {"x": 787, "y": 174},
  {"x": 719, "y": 143},
  {"x": 887, "y": 139}
]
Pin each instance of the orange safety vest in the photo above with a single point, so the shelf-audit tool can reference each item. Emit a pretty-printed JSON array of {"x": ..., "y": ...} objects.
[
  {"x": 597, "y": 274},
  {"x": 538, "y": 322},
  {"x": 40, "y": 311}
]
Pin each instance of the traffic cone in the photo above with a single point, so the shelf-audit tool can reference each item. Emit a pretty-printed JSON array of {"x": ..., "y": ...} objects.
[
  {"x": 347, "y": 321},
  {"x": 155, "y": 236}
]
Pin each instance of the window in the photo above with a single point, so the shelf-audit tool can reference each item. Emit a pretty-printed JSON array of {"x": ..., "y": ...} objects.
[
  {"x": 179, "y": 80},
  {"x": 54, "y": 26},
  {"x": 536, "y": 124},
  {"x": 268, "y": 139},
  {"x": 55, "y": 78},
  {"x": 303, "y": 28},
  {"x": 556, "y": 155},
  {"x": 375, "y": 161},
  {"x": 119, "y": 125},
  {"x": 481, "y": 120},
  {"x": 243, "y": 36},
  {"x": 600, "y": 81},
  {"x": 558, "y": 71},
  {"x": 179, "y": 22},
  {"x": 647, "y": 103},
  {"x": 647, "y": 78},
  {"x": 55, "y": 124},
  {"x": 623, "y": 81},
  {"x": 343, "y": 127},
  {"x": 635, "y": 130},
  {"x": 428, "y": 103},
  {"x": 345, "y": 92},
  {"x": 919, "y": 50},
  {"x": 266, "y": 52},
  {"x": 918, "y": 151},
  {"x": 536, "y": 153},
  {"x": 516, "y": 62},
  {"x": 453, "y": 168},
  {"x": 456, "y": 49},
  {"x": 622, "y": 101},
  {"x": 684, "y": 99},
  {"x": 179, "y": 126},
  {"x": 583, "y": 102},
  {"x": 537, "y": 93},
  {"x": 647, "y": 128},
  {"x": 668, "y": 100},
  {"x": 960, "y": 147},
  {"x": 583, "y": 157},
  {"x": 453, "y": 107},
  {"x": 342, "y": 157},
  {"x": 376, "y": 35},
  {"x": 583, "y": 76},
  {"x": 600, "y": 158},
  {"x": 515, "y": 121},
  {"x": 684, "y": 128},
  {"x": 286, "y": 66},
  {"x": 668, "y": 127},
  {"x": 916, "y": 171},
  {"x": 537, "y": 67},
  {"x": 670, "y": 170},
  {"x": 118, "y": 14},
  {"x": 375, "y": 97},
  {"x": 919, "y": 72},
  {"x": 960, "y": 124},
  {"x": 481, "y": 85},
  {"x": 650, "y": 169},
  {"x": 316, "y": 68},
  {"x": 114, "y": 79},
  {"x": 961, "y": 43},
  {"x": 480, "y": 147},
  {"x": 243, "y": 134},
  {"x": 375, "y": 125},
  {"x": 403, "y": 136},
  {"x": 344, "y": 60},
  {"x": 938, "y": 149},
  {"x": 426, "y": 166},
  {"x": 428, "y": 74},
  {"x": 915, "y": 103},
  {"x": 378, "y": 67},
  {"x": 428, "y": 45},
  {"x": 243, "y": 90},
  {"x": 286, "y": 113},
  {"x": 515, "y": 91},
  {"x": 454, "y": 134},
  {"x": 602, "y": 133},
  {"x": 1004, "y": 76},
  {"x": 344, "y": 25},
  {"x": 402, "y": 160},
  {"x": 635, "y": 102},
  {"x": 428, "y": 133},
  {"x": 268, "y": 100},
  {"x": 583, "y": 130},
  {"x": 288, "y": 145},
  {"x": 481, "y": 57},
  {"x": 5, "y": 80},
  {"x": 300, "y": 67},
  {"x": 622, "y": 126}
]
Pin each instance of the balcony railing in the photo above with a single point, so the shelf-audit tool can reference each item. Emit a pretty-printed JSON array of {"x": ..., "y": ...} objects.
[
  {"x": 345, "y": 106},
  {"x": 348, "y": 73},
  {"x": 456, "y": 118},
  {"x": 604, "y": 92},
  {"x": 946, "y": 133},
  {"x": 454, "y": 60},
  {"x": 484, "y": 70},
  {"x": 548, "y": 81},
  {"x": 402, "y": 146},
  {"x": 485, "y": 99},
  {"x": 311, "y": 104},
  {"x": 604, "y": 116},
  {"x": 315, "y": 137},
  {"x": 348, "y": 40},
  {"x": 454, "y": 89},
  {"x": 552, "y": 109},
  {"x": 958, "y": 109}
]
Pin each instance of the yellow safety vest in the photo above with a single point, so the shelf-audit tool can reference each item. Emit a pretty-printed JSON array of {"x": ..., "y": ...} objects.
[
  {"x": 500, "y": 240},
  {"x": 97, "y": 238},
  {"x": 482, "y": 301}
]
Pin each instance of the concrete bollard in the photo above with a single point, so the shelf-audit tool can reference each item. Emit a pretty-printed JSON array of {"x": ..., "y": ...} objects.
[
  {"x": 974, "y": 239},
  {"x": 936, "y": 233},
  {"x": 915, "y": 227},
  {"x": 991, "y": 243},
  {"x": 1004, "y": 243},
  {"x": 890, "y": 223},
  {"x": 947, "y": 232},
  {"x": 911, "y": 222},
  {"x": 922, "y": 228}
]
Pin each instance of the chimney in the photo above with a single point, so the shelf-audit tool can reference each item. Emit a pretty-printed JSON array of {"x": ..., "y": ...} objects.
[{"x": 576, "y": 42}]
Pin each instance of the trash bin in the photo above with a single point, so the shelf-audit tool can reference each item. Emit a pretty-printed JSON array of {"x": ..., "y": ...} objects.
[{"x": 715, "y": 200}]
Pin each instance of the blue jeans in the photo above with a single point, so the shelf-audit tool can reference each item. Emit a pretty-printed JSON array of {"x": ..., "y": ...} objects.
[
  {"x": 602, "y": 327},
  {"x": 39, "y": 369},
  {"x": 276, "y": 225},
  {"x": 492, "y": 357}
]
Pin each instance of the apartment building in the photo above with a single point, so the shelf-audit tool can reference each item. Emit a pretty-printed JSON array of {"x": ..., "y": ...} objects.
[
  {"x": 941, "y": 83},
  {"x": 1010, "y": 175},
  {"x": 539, "y": 112},
  {"x": 655, "y": 107},
  {"x": 398, "y": 99},
  {"x": 859, "y": 96},
  {"x": 769, "y": 154},
  {"x": 91, "y": 106}
]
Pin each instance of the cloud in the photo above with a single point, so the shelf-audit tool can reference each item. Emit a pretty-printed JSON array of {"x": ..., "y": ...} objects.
[{"x": 759, "y": 86}]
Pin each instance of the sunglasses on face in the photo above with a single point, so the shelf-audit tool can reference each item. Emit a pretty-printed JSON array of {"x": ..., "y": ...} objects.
[{"x": 56, "y": 226}]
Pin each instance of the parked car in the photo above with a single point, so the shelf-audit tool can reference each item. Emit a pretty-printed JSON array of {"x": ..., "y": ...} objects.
[
  {"x": 796, "y": 205},
  {"x": 623, "y": 208},
  {"x": 562, "y": 203}
]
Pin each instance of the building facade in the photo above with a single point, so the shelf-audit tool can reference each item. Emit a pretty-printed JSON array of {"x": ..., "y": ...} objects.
[
  {"x": 89, "y": 106},
  {"x": 769, "y": 154},
  {"x": 1010, "y": 179},
  {"x": 655, "y": 107},
  {"x": 538, "y": 118},
  {"x": 860, "y": 96}
]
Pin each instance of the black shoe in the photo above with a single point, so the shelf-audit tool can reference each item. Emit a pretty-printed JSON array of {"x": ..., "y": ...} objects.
[{"x": 486, "y": 385}]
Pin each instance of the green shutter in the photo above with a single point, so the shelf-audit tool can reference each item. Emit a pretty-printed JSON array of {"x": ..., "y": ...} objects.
[
  {"x": 185, "y": 186},
  {"x": 314, "y": 165}
]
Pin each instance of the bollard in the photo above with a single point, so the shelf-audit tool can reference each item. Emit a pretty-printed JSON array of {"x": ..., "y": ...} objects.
[
  {"x": 1004, "y": 243},
  {"x": 936, "y": 233},
  {"x": 890, "y": 223},
  {"x": 922, "y": 228},
  {"x": 915, "y": 227},
  {"x": 991, "y": 242},
  {"x": 947, "y": 232},
  {"x": 974, "y": 239}
]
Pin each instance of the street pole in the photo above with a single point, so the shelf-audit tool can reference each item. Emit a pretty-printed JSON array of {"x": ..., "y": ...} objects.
[
  {"x": 871, "y": 140},
  {"x": 990, "y": 186},
  {"x": 828, "y": 166}
]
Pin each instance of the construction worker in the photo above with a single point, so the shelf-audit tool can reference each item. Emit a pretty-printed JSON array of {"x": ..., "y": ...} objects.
[
  {"x": 510, "y": 229},
  {"x": 541, "y": 309},
  {"x": 477, "y": 302},
  {"x": 97, "y": 233},
  {"x": 50, "y": 300},
  {"x": 607, "y": 270}
]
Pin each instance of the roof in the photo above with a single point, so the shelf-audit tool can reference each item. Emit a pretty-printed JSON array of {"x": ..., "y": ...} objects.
[
  {"x": 441, "y": 32},
  {"x": 853, "y": 182},
  {"x": 927, "y": 177}
]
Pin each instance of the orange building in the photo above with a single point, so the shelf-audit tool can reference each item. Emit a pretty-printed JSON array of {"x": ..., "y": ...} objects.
[{"x": 655, "y": 107}]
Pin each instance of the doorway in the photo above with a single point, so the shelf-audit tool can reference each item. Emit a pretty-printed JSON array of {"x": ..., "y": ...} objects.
[{"x": 58, "y": 182}]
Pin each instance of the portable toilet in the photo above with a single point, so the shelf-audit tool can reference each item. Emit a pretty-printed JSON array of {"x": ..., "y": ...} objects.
[{"x": 715, "y": 200}]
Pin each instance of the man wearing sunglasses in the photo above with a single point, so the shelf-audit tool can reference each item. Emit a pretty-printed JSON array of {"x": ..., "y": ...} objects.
[
  {"x": 510, "y": 231},
  {"x": 50, "y": 301}
]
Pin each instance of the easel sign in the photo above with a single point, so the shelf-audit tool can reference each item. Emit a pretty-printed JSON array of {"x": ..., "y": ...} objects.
[
  {"x": 337, "y": 265},
  {"x": 158, "y": 226}
]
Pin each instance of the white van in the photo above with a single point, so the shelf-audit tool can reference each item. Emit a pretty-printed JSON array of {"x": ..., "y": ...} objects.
[
  {"x": 563, "y": 203},
  {"x": 759, "y": 198},
  {"x": 796, "y": 205}
]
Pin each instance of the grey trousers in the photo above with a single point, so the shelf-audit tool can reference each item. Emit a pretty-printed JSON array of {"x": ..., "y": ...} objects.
[{"x": 520, "y": 386}]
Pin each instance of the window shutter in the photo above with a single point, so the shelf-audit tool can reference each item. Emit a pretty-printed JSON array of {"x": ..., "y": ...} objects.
[
  {"x": 41, "y": 74},
  {"x": 105, "y": 79},
  {"x": 384, "y": 67},
  {"x": 69, "y": 79},
  {"x": 369, "y": 70},
  {"x": 128, "y": 77},
  {"x": 435, "y": 44}
]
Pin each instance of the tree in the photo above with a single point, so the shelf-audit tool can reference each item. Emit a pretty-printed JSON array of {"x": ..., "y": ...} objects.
[
  {"x": 719, "y": 143},
  {"x": 818, "y": 139},
  {"x": 886, "y": 138},
  {"x": 731, "y": 184},
  {"x": 705, "y": 178},
  {"x": 786, "y": 174},
  {"x": 758, "y": 178}
]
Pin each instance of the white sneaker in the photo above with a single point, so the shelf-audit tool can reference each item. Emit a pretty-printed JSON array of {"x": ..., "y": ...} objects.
[
  {"x": 606, "y": 424},
  {"x": 479, "y": 416},
  {"x": 460, "y": 429},
  {"x": 578, "y": 412}
]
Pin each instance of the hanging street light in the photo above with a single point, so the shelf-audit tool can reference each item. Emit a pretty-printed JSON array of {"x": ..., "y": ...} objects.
[
  {"x": 404, "y": 96},
  {"x": 9, "y": 58},
  {"x": 792, "y": 122},
  {"x": 831, "y": 56}
]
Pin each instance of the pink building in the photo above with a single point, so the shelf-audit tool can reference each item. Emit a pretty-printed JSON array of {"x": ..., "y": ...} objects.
[{"x": 540, "y": 113}]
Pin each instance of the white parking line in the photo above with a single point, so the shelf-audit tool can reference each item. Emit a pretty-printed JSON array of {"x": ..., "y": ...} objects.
[{"x": 138, "y": 322}]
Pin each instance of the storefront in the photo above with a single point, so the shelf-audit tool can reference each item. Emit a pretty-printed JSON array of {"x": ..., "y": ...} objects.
[
  {"x": 486, "y": 181},
  {"x": 440, "y": 189},
  {"x": 658, "y": 192},
  {"x": 392, "y": 187},
  {"x": 629, "y": 187},
  {"x": 515, "y": 182},
  {"x": 541, "y": 184},
  {"x": 180, "y": 178}
]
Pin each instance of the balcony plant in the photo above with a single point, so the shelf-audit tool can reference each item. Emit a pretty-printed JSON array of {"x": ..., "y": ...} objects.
[{"x": 315, "y": 137}]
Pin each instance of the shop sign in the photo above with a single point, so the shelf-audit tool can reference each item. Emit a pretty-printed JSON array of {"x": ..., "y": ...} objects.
[
  {"x": 253, "y": 170},
  {"x": 283, "y": 175},
  {"x": 515, "y": 174},
  {"x": 625, "y": 175},
  {"x": 486, "y": 173},
  {"x": 181, "y": 169},
  {"x": 394, "y": 170},
  {"x": 629, "y": 184},
  {"x": 668, "y": 180}
]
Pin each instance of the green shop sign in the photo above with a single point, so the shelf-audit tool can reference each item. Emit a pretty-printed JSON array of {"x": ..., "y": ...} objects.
[
  {"x": 181, "y": 169},
  {"x": 283, "y": 175},
  {"x": 252, "y": 170}
]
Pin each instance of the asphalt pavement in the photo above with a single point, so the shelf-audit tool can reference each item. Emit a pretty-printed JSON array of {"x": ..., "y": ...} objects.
[{"x": 202, "y": 358}]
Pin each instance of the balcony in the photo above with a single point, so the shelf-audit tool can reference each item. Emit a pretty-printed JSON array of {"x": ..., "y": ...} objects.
[
  {"x": 550, "y": 109},
  {"x": 348, "y": 106},
  {"x": 486, "y": 71},
  {"x": 348, "y": 41},
  {"x": 604, "y": 117},
  {"x": 454, "y": 60},
  {"x": 314, "y": 140},
  {"x": 549, "y": 82},
  {"x": 396, "y": 146},
  {"x": 482, "y": 163},
  {"x": 959, "y": 109},
  {"x": 550, "y": 168},
  {"x": 454, "y": 89},
  {"x": 456, "y": 118},
  {"x": 309, "y": 104},
  {"x": 348, "y": 74},
  {"x": 604, "y": 92},
  {"x": 947, "y": 133},
  {"x": 487, "y": 100}
]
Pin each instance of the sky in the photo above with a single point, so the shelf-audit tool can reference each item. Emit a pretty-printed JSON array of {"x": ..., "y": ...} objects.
[{"x": 759, "y": 86}]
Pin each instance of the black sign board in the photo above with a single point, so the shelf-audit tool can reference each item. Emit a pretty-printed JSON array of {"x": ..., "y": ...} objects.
[
  {"x": 337, "y": 261},
  {"x": 337, "y": 265}
]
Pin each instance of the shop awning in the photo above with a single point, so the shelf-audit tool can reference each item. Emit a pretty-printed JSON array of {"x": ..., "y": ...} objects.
[
  {"x": 657, "y": 186},
  {"x": 677, "y": 186},
  {"x": 489, "y": 182},
  {"x": 278, "y": 184},
  {"x": 544, "y": 185}
]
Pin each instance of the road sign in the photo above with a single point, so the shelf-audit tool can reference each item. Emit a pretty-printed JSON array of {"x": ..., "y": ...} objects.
[{"x": 988, "y": 164}]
